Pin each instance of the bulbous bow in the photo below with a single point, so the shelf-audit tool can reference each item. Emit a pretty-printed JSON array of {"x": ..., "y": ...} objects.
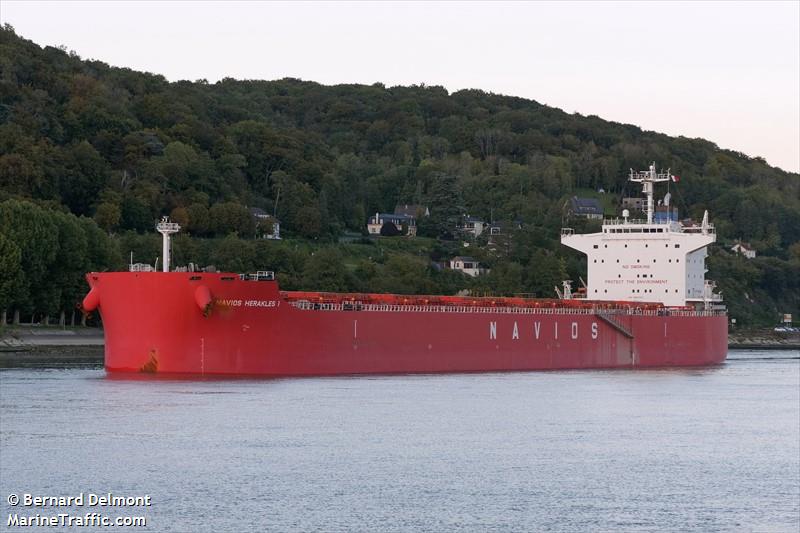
[{"x": 92, "y": 300}]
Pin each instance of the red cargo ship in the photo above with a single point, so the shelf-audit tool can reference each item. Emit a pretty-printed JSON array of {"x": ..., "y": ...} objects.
[{"x": 644, "y": 307}]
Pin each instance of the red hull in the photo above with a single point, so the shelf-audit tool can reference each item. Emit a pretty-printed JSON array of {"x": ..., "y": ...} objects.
[{"x": 155, "y": 322}]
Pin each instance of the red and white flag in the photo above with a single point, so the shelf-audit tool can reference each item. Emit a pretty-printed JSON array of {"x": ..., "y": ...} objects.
[{"x": 676, "y": 179}]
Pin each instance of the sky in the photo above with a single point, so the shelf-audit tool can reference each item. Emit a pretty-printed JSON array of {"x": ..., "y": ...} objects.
[{"x": 728, "y": 72}]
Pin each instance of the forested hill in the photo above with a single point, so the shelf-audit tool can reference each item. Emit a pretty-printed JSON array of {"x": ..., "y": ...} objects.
[{"x": 122, "y": 148}]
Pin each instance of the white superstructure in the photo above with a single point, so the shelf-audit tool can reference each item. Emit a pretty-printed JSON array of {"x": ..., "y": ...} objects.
[{"x": 648, "y": 260}]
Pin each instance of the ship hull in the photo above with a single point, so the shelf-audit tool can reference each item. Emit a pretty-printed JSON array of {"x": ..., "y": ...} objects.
[{"x": 219, "y": 324}]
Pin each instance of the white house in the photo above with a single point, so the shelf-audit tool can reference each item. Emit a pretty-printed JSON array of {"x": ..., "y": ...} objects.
[
  {"x": 744, "y": 249},
  {"x": 262, "y": 218},
  {"x": 375, "y": 223},
  {"x": 467, "y": 265},
  {"x": 472, "y": 225}
]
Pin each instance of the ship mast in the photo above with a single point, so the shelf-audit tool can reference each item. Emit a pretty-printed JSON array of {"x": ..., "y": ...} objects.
[
  {"x": 647, "y": 178},
  {"x": 166, "y": 228}
]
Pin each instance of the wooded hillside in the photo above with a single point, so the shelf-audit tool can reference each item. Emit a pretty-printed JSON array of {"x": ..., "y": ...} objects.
[{"x": 102, "y": 147}]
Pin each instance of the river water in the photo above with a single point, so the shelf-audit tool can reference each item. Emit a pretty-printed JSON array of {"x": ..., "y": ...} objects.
[{"x": 713, "y": 449}]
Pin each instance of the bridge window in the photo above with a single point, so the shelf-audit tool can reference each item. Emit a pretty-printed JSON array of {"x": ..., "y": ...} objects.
[
  {"x": 595, "y": 246},
  {"x": 677, "y": 246}
]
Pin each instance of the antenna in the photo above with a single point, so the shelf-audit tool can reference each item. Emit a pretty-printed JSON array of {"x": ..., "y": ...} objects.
[
  {"x": 647, "y": 178},
  {"x": 166, "y": 228}
]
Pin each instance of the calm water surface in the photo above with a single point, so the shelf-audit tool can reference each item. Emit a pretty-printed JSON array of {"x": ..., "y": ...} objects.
[{"x": 714, "y": 449}]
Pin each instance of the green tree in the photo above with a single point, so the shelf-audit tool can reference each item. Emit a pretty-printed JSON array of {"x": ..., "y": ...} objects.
[
  {"x": 446, "y": 206},
  {"x": 33, "y": 231},
  {"x": 325, "y": 271},
  {"x": 230, "y": 217},
  {"x": 108, "y": 216},
  {"x": 11, "y": 278}
]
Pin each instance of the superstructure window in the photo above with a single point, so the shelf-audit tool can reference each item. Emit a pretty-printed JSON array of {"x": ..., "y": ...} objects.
[
  {"x": 595, "y": 246},
  {"x": 677, "y": 246}
]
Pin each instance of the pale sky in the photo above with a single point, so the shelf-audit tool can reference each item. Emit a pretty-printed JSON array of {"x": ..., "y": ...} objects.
[{"x": 725, "y": 71}]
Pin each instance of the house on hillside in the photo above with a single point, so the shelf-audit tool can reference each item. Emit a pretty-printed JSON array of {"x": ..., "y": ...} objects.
[
  {"x": 499, "y": 233},
  {"x": 267, "y": 221},
  {"x": 471, "y": 225},
  {"x": 400, "y": 222},
  {"x": 743, "y": 249},
  {"x": 585, "y": 207},
  {"x": 467, "y": 265}
]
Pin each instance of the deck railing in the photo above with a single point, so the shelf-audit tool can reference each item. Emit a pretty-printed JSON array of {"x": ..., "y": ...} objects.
[{"x": 399, "y": 308}]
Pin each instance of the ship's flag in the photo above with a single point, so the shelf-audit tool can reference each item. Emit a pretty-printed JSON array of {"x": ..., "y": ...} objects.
[{"x": 676, "y": 179}]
